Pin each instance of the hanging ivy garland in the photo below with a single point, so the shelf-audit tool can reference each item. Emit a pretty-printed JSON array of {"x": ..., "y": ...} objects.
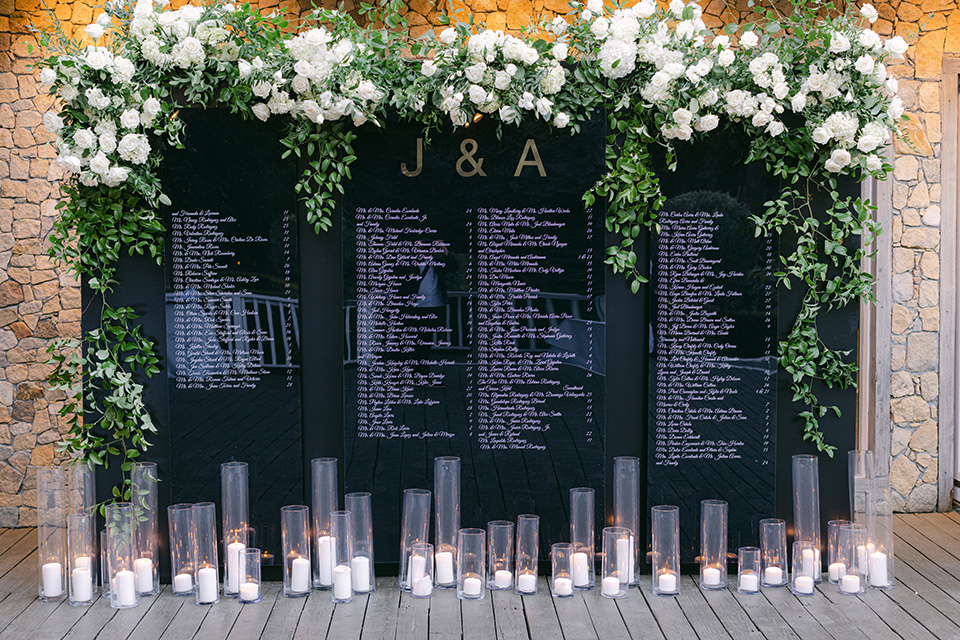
[{"x": 663, "y": 77}]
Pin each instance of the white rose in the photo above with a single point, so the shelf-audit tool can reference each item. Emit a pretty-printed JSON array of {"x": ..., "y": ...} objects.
[
  {"x": 781, "y": 90},
  {"x": 151, "y": 107},
  {"x": 311, "y": 110},
  {"x": 70, "y": 163},
  {"x": 838, "y": 160},
  {"x": 558, "y": 26},
  {"x": 749, "y": 40},
  {"x": 501, "y": 80},
  {"x": 868, "y": 12},
  {"x": 839, "y": 43},
  {"x": 775, "y": 128},
  {"x": 261, "y": 110},
  {"x": 511, "y": 69},
  {"x": 874, "y": 163},
  {"x": 761, "y": 119},
  {"x": 869, "y": 39},
  {"x": 561, "y": 120},
  {"x": 134, "y": 148},
  {"x": 257, "y": 63},
  {"x": 721, "y": 42},
  {"x": 895, "y": 110},
  {"x": 896, "y": 46},
  {"x": 560, "y": 51},
  {"x": 507, "y": 113},
  {"x": 682, "y": 116},
  {"x": 428, "y": 68},
  {"x": 99, "y": 164},
  {"x": 245, "y": 68},
  {"x": 108, "y": 142},
  {"x": 359, "y": 118},
  {"x": 544, "y": 106},
  {"x": 368, "y": 91},
  {"x": 868, "y": 143},
  {"x": 595, "y": 6},
  {"x": 69, "y": 92},
  {"x": 52, "y": 122},
  {"x": 448, "y": 35},
  {"x": 864, "y": 64},
  {"x": 676, "y": 8},
  {"x": 261, "y": 89},
  {"x": 477, "y": 94},
  {"x": 130, "y": 119},
  {"x": 47, "y": 76},
  {"x": 600, "y": 28},
  {"x": 798, "y": 102},
  {"x": 645, "y": 9},
  {"x": 303, "y": 68},
  {"x": 474, "y": 73},
  {"x": 104, "y": 20},
  {"x": 84, "y": 138},
  {"x": 300, "y": 84},
  {"x": 821, "y": 135},
  {"x": 892, "y": 85},
  {"x": 116, "y": 176},
  {"x": 94, "y": 30},
  {"x": 684, "y": 30},
  {"x": 708, "y": 122},
  {"x": 97, "y": 59},
  {"x": 529, "y": 55},
  {"x": 726, "y": 58},
  {"x": 89, "y": 179},
  {"x": 526, "y": 101},
  {"x": 192, "y": 47}
]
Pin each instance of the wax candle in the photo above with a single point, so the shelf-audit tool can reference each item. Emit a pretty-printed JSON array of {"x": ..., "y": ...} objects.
[
  {"x": 581, "y": 570},
  {"x": 749, "y": 582},
  {"x": 526, "y": 582},
  {"x": 416, "y": 569},
  {"x": 182, "y": 583},
  {"x": 52, "y": 578},
  {"x": 878, "y": 569},
  {"x": 711, "y": 576},
  {"x": 563, "y": 586},
  {"x": 299, "y": 575},
  {"x": 610, "y": 586},
  {"x": 249, "y": 592},
  {"x": 126, "y": 588},
  {"x": 81, "y": 584},
  {"x": 81, "y": 562},
  {"x": 850, "y": 584},
  {"x": 342, "y": 582},
  {"x": 773, "y": 576},
  {"x": 422, "y": 587},
  {"x": 233, "y": 566},
  {"x": 360, "y": 570},
  {"x": 143, "y": 568},
  {"x": 502, "y": 579},
  {"x": 631, "y": 564},
  {"x": 325, "y": 547},
  {"x": 667, "y": 582},
  {"x": 444, "y": 562},
  {"x": 472, "y": 586},
  {"x": 836, "y": 570},
  {"x": 803, "y": 584},
  {"x": 807, "y": 563},
  {"x": 624, "y": 553},
  {"x": 207, "y": 584}
]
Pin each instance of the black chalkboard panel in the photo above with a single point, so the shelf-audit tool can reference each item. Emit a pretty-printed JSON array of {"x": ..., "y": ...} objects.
[{"x": 474, "y": 321}]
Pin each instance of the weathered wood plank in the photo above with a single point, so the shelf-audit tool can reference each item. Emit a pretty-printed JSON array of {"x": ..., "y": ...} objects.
[
  {"x": 315, "y": 616},
  {"x": 893, "y": 615},
  {"x": 186, "y": 622},
  {"x": 696, "y": 606},
  {"x": 124, "y": 621},
  {"x": 934, "y": 527},
  {"x": 413, "y": 619},
  {"x": 724, "y": 603},
  {"x": 508, "y": 615},
  {"x": 383, "y": 607},
  {"x": 219, "y": 619},
  {"x": 637, "y": 615},
  {"x": 94, "y": 619},
  {"x": 284, "y": 616},
  {"x": 605, "y": 615},
  {"x": 11, "y": 536},
  {"x": 801, "y": 618},
  {"x": 540, "y": 614},
  {"x": 918, "y": 572},
  {"x": 573, "y": 616},
  {"x": 19, "y": 594},
  {"x": 161, "y": 614},
  {"x": 53, "y": 622},
  {"x": 347, "y": 619},
  {"x": 253, "y": 617},
  {"x": 764, "y": 615},
  {"x": 445, "y": 621},
  {"x": 477, "y": 618},
  {"x": 857, "y": 610},
  {"x": 669, "y": 616},
  {"x": 15, "y": 555}
]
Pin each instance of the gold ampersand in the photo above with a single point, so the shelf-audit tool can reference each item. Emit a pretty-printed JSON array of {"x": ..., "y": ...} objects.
[{"x": 467, "y": 148}]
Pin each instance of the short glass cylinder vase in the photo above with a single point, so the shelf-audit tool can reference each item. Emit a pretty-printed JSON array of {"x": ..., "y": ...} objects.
[
  {"x": 806, "y": 504},
  {"x": 203, "y": 526},
  {"x": 851, "y": 538},
  {"x": 52, "y": 533},
  {"x": 235, "y": 503},
  {"x": 861, "y": 471},
  {"x": 713, "y": 544},
  {"x": 143, "y": 484},
  {"x": 324, "y": 501},
  {"x": 748, "y": 570},
  {"x": 528, "y": 553},
  {"x": 82, "y": 553},
  {"x": 295, "y": 534},
  {"x": 561, "y": 569},
  {"x": 251, "y": 585},
  {"x": 626, "y": 507},
  {"x": 614, "y": 560},
  {"x": 773, "y": 553},
  {"x": 414, "y": 528},
  {"x": 421, "y": 570},
  {"x": 499, "y": 555},
  {"x": 341, "y": 530},
  {"x": 880, "y": 537},
  {"x": 665, "y": 549},
  {"x": 835, "y": 567},
  {"x": 361, "y": 524},
  {"x": 804, "y": 568},
  {"x": 582, "y": 536},
  {"x": 180, "y": 527},
  {"x": 471, "y": 564},
  {"x": 446, "y": 490},
  {"x": 121, "y": 551}
]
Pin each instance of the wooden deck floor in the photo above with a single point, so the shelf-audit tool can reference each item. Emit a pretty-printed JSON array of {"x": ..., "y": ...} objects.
[{"x": 925, "y": 604}]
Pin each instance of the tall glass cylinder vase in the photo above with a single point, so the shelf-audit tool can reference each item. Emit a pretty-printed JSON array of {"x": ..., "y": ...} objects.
[
  {"x": 121, "y": 554},
  {"x": 82, "y": 498},
  {"x": 203, "y": 523},
  {"x": 850, "y": 539},
  {"x": 52, "y": 532},
  {"x": 880, "y": 537},
  {"x": 361, "y": 522},
  {"x": 446, "y": 491},
  {"x": 471, "y": 563},
  {"x": 295, "y": 532},
  {"x": 773, "y": 552},
  {"x": 180, "y": 538},
  {"x": 626, "y": 507},
  {"x": 499, "y": 555},
  {"x": 614, "y": 541},
  {"x": 806, "y": 504},
  {"x": 414, "y": 528},
  {"x": 528, "y": 553},
  {"x": 861, "y": 471},
  {"x": 143, "y": 483},
  {"x": 582, "y": 536},
  {"x": 713, "y": 544},
  {"x": 341, "y": 530},
  {"x": 235, "y": 504},
  {"x": 665, "y": 548},
  {"x": 324, "y": 501},
  {"x": 82, "y": 560}
]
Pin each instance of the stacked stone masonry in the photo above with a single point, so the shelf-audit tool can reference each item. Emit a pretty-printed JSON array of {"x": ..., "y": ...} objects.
[{"x": 40, "y": 302}]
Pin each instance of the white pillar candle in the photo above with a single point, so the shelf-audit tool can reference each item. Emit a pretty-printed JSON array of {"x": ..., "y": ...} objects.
[
  {"x": 233, "y": 566},
  {"x": 360, "y": 570},
  {"x": 472, "y": 586},
  {"x": 342, "y": 582},
  {"x": 249, "y": 591},
  {"x": 807, "y": 563},
  {"x": 299, "y": 575},
  {"x": 207, "y": 584},
  {"x": 836, "y": 570},
  {"x": 81, "y": 584},
  {"x": 773, "y": 575},
  {"x": 631, "y": 565},
  {"x": 562, "y": 586},
  {"x": 422, "y": 587},
  {"x": 143, "y": 567},
  {"x": 126, "y": 588},
  {"x": 877, "y": 570},
  {"x": 502, "y": 579},
  {"x": 581, "y": 570},
  {"x": 325, "y": 546},
  {"x": 749, "y": 582},
  {"x": 81, "y": 562},
  {"x": 624, "y": 553},
  {"x": 610, "y": 586},
  {"x": 444, "y": 562},
  {"x": 416, "y": 569},
  {"x": 182, "y": 583},
  {"x": 850, "y": 584},
  {"x": 711, "y": 576},
  {"x": 52, "y": 577},
  {"x": 526, "y": 582},
  {"x": 803, "y": 584},
  {"x": 667, "y": 582}
]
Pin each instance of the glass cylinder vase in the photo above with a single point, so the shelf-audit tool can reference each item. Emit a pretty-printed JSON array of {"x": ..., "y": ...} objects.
[
  {"x": 143, "y": 484},
  {"x": 804, "y": 568},
  {"x": 835, "y": 567},
  {"x": 295, "y": 533},
  {"x": 235, "y": 504},
  {"x": 52, "y": 533},
  {"x": 806, "y": 504},
  {"x": 713, "y": 544},
  {"x": 203, "y": 527},
  {"x": 665, "y": 549},
  {"x": 626, "y": 507},
  {"x": 104, "y": 573},
  {"x": 773, "y": 552},
  {"x": 121, "y": 554},
  {"x": 421, "y": 573},
  {"x": 82, "y": 560},
  {"x": 860, "y": 471},
  {"x": 528, "y": 553},
  {"x": 341, "y": 530},
  {"x": 324, "y": 501},
  {"x": 561, "y": 569},
  {"x": 446, "y": 490},
  {"x": 414, "y": 528},
  {"x": 180, "y": 538},
  {"x": 471, "y": 563},
  {"x": 499, "y": 555},
  {"x": 361, "y": 524},
  {"x": 82, "y": 498},
  {"x": 748, "y": 570},
  {"x": 251, "y": 586},
  {"x": 614, "y": 561},
  {"x": 582, "y": 536},
  {"x": 880, "y": 537},
  {"x": 851, "y": 538}
]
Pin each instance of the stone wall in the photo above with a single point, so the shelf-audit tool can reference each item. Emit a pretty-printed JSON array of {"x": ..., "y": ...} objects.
[{"x": 38, "y": 302}]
